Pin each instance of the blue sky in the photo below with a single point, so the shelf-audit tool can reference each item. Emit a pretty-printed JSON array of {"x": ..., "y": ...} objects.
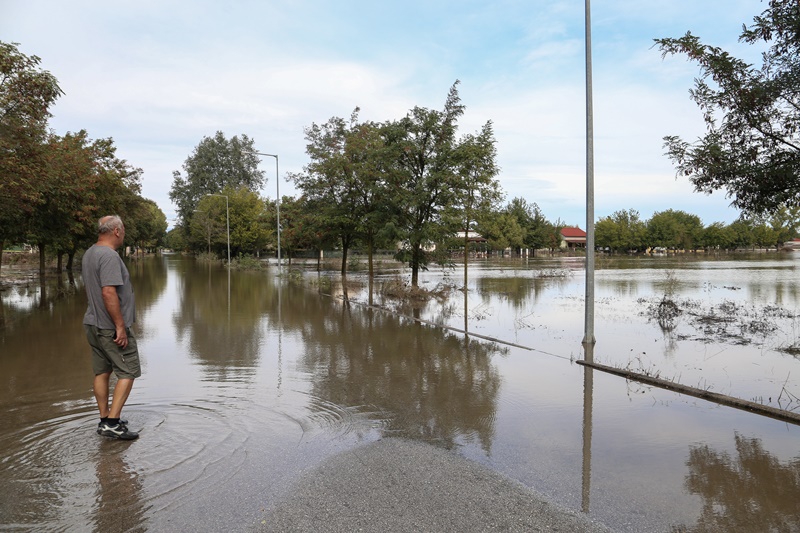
[{"x": 158, "y": 75}]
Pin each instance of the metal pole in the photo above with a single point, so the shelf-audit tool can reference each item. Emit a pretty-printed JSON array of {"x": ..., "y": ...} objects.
[
  {"x": 278, "y": 209},
  {"x": 228, "y": 230},
  {"x": 277, "y": 202},
  {"x": 588, "y": 337}
]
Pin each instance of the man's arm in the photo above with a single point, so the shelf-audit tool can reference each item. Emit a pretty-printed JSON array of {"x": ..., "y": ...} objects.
[{"x": 111, "y": 301}]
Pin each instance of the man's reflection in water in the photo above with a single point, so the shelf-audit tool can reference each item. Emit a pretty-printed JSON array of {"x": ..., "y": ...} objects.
[{"x": 120, "y": 501}]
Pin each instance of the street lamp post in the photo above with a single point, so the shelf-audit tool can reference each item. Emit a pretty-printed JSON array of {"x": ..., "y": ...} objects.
[
  {"x": 277, "y": 202},
  {"x": 227, "y": 225}
]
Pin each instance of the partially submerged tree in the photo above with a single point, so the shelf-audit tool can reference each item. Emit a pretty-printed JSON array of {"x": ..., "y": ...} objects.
[
  {"x": 478, "y": 192},
  {"x": 437, "y": 171},
  {"x": 751, "y": 148}
]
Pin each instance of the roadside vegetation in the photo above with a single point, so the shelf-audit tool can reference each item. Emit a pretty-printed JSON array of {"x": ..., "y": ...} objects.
[{"x": 54, "y": 188}]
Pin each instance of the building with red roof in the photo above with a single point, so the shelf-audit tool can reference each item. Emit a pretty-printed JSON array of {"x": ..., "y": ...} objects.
[{"x": 573, "y": 238}]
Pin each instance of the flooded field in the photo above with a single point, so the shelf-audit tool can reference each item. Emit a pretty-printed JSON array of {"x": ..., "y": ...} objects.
[{"x": 251, "y": 379}]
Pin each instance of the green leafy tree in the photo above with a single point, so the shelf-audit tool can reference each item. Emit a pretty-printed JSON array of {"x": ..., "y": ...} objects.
[
  {"x": 428, "y": 178},
  {"x": 786, "y": 222},
  {"x": 478, "y": 192},
  {"x": 176, "y": 239},
  {"x": 82, "y": 179},
  {"x": 26, "y": 94},
  {"x": 536, "y": 228},
  {"x": 501, "y": 230},
  {"x": 372, "y": 162},
  {"x": 718, "y": 236},
  {"x": 751, "y": 147},
  {"x": 329, "y": 180},
  {"x": 215, "y": 164},
  {"x": 674, "y": 229},
  {"x": 742, "y": 233},
  {"x": 765, "y": 236},
  {"x": 145, "y": 225},
  {"x": 622, "y": 231},
  {"x": 245, "y": 216}
]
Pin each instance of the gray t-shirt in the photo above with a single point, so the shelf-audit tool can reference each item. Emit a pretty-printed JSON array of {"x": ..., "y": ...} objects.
[{"x": 102, "y": 267}]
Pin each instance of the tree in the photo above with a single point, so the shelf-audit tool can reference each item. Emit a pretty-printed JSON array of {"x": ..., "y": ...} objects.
[
  {"x": 145, "y": 224},
  {"x": 786, "y": 223},
  {"x": 501, "y": 230},
  {"x": 718, "y": 236},
  {"x": 245, "y": 218},
  {"x": 622, "y": 231},
  {"x": 536, "y": 228},
  {"x": 742, "y": 233},
  {"x": 765, "y": 236},
  {"x": 751, "y": 147},
  {"x": 175, "y": 239},
  {"x": 479, "y": 190},
  {"x": 427, "y": 180},
  {"x": 215, "y": 164},
  {"x": 372, "y": 162},
  {"x": 26, "y": 94},
  {"x": 346, "y": 179},
  {"x": 81, "y": 179},
  {"x": 674, "y": 229}
]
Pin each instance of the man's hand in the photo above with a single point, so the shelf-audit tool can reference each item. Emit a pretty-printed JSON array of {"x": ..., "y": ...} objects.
[{"x": 121, "y": 337}]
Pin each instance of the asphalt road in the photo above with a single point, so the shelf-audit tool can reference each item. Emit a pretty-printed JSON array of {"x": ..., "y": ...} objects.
[{"x": 399, "y": 485}]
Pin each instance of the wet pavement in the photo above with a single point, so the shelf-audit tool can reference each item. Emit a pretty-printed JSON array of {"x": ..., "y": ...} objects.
[{"x": 396, "y": 485}]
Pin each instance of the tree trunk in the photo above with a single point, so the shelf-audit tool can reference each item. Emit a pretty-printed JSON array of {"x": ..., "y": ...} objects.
[
  {"x": 59, "y": 261},
  {"x": 344, "y": 257},
  {"x": 70, "y": 260},
  {"x": 345, "y": 248},
  {"x": 41, "y": 260},
  {"x": 415, "y": 260},
  {"x": 2, "y": 245}
]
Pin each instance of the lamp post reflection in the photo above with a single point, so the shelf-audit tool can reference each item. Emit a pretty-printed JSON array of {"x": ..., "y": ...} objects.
[{"x": 588, "y": 391}]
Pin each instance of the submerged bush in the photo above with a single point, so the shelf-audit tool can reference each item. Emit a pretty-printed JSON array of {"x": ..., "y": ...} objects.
[{"x": 247, "y": 262}]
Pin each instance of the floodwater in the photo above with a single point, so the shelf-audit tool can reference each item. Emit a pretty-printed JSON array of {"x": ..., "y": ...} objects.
[{"x": 251, "y": 379}]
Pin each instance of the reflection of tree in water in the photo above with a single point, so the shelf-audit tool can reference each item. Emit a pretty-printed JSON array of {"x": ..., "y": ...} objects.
[
  {"x": 149, "y": 278},
  {"x": 429, "y": 384},
  {"x": 518, "y": 290},
  {"x": 753, "y": 492},
  {"x": 218, "y": 336}
]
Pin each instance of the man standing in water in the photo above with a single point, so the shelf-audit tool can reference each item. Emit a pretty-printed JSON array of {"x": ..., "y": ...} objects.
[{"x": 107, "y": 322}]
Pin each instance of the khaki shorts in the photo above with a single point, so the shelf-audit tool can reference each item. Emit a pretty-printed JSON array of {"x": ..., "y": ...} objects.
[{"x": 107, "y": 356}]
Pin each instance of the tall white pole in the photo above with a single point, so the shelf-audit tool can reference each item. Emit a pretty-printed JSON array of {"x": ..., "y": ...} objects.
[
  {"x": 588, "y": 337},
  {"x": 277, "y": 202}
]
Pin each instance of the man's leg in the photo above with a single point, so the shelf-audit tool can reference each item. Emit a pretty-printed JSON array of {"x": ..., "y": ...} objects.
[
  {"x": 121, "y": 391},
  {"x": 101, "y": 392}
]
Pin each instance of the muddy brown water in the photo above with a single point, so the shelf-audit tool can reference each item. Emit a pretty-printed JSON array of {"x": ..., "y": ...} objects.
[{"x": 251, "y": 380}]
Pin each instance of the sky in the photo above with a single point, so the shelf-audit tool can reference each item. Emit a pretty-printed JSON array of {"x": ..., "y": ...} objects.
[{"x": 158, "y": 76}]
